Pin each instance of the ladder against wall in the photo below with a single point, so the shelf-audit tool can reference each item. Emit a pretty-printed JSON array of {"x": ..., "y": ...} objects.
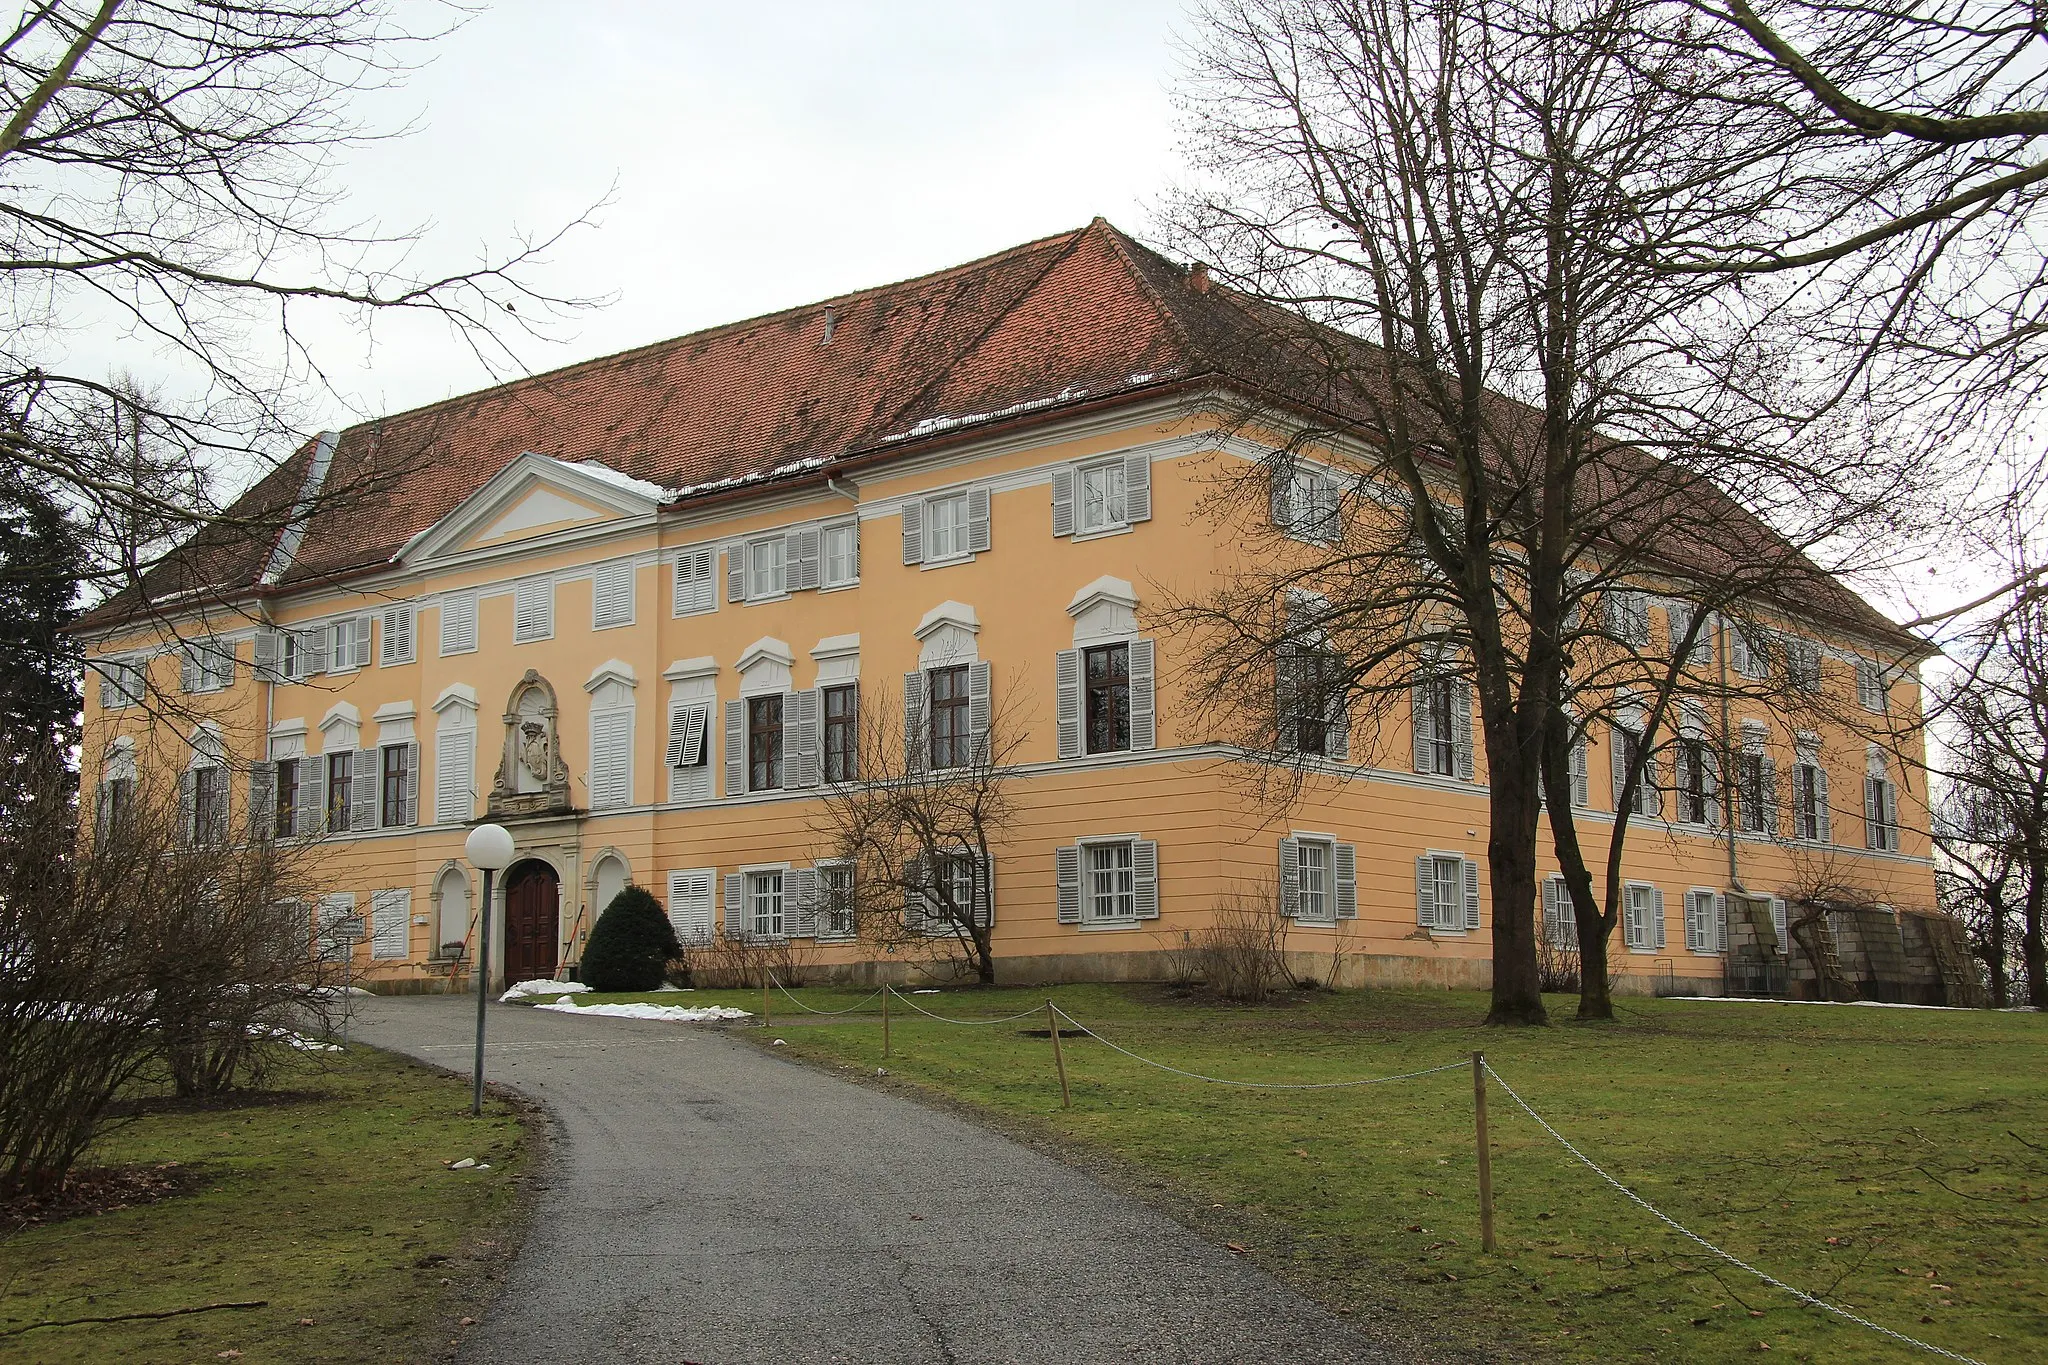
[{"x": 1960, "y": 983}]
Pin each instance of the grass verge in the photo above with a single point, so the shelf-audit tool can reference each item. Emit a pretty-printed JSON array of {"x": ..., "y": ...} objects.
[
  {"x": 1894, "y": 1161},
  {"x": 333, "y": 1207}
]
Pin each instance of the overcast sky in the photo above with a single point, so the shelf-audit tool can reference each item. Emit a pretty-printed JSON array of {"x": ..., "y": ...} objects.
[{"x": 758, "y": 155}]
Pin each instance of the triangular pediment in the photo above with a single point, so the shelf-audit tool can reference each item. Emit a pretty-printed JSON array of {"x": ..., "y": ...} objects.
[{"x": 535, "y": 498}]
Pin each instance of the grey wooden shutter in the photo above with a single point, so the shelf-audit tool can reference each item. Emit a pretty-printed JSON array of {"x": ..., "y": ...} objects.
[
  {"x": 678, "y": 718},
  {"x": 1461, "y": 729},
  {"x": 697, "y": 736},
  {"x": 980, "y": 710},
  {"x": 984, "y": 893},
  {"x": 916, "y": 744},
  {"x": 913, "y": 895},
  {"x": 409, "y": 799},
  {"x": 454, "y": 774},
  {"x": 1066, "y": 709},
  {"x": 1425, "y": 891},
  {"x": 1137, "y": 488},
  {"x": 1720, "y": 922},
  {"x": 736, "y": 571},
  {"x": 977, "y": 519},
  {"x": 1344, "y": 858},
  {"x": 1779, "y": 923},
  {"x": 266, "y": 659},
  {"x": 312, "y": 816},
  {"x": 363, "y": 781},
  {"x": 1872, "y": 837},
  {"x": 262, "y": 799},
  {"x": 913, "y": 532},
  {"x": 1290, "y": 877},
  {"x": 1657, "y": 909},
  {"x": 1337, "y": 721},
  {"x": 810, "y": 554},
  {"x": 1422, "y": 725},
  {"x": 1063, "y": 500},
  {"x": 1617, "y": 754},
  {"x": 317, "y": 651},
  {"x": 802, "y": 921},
  {"x": 1280, "y": 489},
  {"x": 1145, "y": 878},
  {"x": 790, "y": 756},
  {"x": 810, "y": 767},
  {"x": 1066, "y": 876},
  {"x": 359, "y": 646},
  {"x": 188, "y": 669},
  {"x": 188, "y": 804},
  {"x": 391, "y": 924},
  {"x": 735, "y": 747},
  {"x": 1553, "y": 912},
  {"x": 696, "y": 582},
  {"x": 1692, "y": 922},
  {"x": 1144, "y": 718},
  {"x": 1820, "y": 802},
  {"x": 1471, "y": 894},
  {"x": 395, "y": 624},
  {"x": 736, "y": 927},
  {"x": 1770, "y": 795},
  {"x": 1582, "y": 787}
]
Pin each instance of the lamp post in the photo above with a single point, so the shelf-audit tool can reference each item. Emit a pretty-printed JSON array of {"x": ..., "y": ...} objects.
[{"x": 489, "y": 848}]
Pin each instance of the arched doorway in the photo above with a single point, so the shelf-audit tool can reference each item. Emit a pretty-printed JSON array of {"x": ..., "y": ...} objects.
[{"x": 533, "y": 930}]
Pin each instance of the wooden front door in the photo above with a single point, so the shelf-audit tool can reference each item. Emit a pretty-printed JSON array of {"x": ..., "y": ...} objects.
[{"x": 532, "y": 929}]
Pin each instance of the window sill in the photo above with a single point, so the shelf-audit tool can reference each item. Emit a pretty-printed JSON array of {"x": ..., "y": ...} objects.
[
  {"x": 1101, "y": 926},
  {"x": 531, "y": 639},
  {"x": 615, "y": 625},
  {"x": 673, "y": 615},
  {"x": 838, "y": 587},
  {"x": 766, "y": 599},
  {"x": 1122, "y": 528},
  {"x": 948, "y": 562}
]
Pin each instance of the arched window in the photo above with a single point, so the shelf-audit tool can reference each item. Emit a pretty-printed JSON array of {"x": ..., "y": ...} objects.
[{"x": 451, "y": 911}]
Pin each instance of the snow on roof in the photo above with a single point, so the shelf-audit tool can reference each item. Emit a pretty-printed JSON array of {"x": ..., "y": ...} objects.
[{"x": 599, "y": 470}]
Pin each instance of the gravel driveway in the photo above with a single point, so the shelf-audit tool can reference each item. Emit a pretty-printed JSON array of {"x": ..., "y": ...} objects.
[{"x": 709, "y": 1202}]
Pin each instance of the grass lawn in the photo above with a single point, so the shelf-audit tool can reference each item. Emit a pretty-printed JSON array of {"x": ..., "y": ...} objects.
[
  {"x": 334, "y": 1207},
  {"x": 1894, "y": 1161}
]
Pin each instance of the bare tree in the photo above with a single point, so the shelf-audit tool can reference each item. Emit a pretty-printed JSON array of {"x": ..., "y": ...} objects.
[
  {"x": 1994, "y": 838},
  {"x": 913, "y": 830},
  {"x": 166, "y": 178},
  {"x": 1503, "y": 438}
]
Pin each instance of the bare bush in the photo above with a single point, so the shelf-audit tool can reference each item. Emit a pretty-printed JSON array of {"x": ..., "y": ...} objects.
[
  {"x": 1557, "y": 965},
  {"x": 1241, "y": 954},
  {"x": 732, "y": 963}
]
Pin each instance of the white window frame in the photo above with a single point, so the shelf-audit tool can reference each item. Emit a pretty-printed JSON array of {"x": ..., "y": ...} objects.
[
  {"x": 960, "y": 529},
  {"x": 695, "y": 588},
  {"x": 850, "y": 529},
  {"x": 1872, "y": 693},
  {"x": 1115, "y": 514},
  {"x": 1649, "y": 919},
  {"x": 826, "y": 871},
  {"x": 1314, "y": 504},
  {"x": 1325, "y": 893},
  {"x": 213, "y": 665},
  {"x": 776, "y": 585},
  {"x": 341, "y": 657},
  {"x": 122, "y": 682},
  {"x": 540, "y": 592},
  {"x": 630, "y": 573},
  {"x": 388, "y": 654},
  {"x": 458, "y": 608},
  {"x": 1123, "y": 881},
  {"x": 1702, "y": 922},
  {"x": 760, "y": 908}
]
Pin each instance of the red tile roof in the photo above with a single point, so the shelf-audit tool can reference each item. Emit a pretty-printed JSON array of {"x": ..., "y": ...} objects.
[{"x": 1077, "y": 318}]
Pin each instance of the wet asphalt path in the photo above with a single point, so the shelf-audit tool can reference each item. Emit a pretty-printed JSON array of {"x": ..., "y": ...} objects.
[{"x": 709, "y": 1202}]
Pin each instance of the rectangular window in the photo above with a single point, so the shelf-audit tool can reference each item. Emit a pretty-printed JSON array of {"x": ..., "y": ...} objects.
[
  {"x": 1640, "y": 920},
  {"x": 764, "y": 743},
  {"x": 1449, "y": 875},
  {"x": 339, "y": 767},
  {"x": 1802, "y": 663},
  {"x": 1106, "y": 673},
  {"x": 1441, "y": 751},
  {"x": 458, "y": 624},
  {"x": 1310, "y": 679},
  {"x": 1871, "y": 693},
  {"x": 1318, "y": 904},
  {"x": 696, "y": 587},
  {"x": 1696, "y": 794},
  {"x": 1806, "y": 802},
  {"x": 209, "y": 804},
  {"x": 349, "y": 644},
  {"x": 945, "y": 527},
  {"x": 835, "y": 891},
  {"x": 285, "y": 819},
  {"x": 1112, "y": 885},
  {"x": 209, "y": 666},
  {"x": 120, "y": 799},
  {"x": 533, "y": 610},
  {"x": 765, "y": 569},
  {"x": 120, "y": 684},
  {"x": 396, "y": 646},
  {"x": 1881, "y": 813},
  {"x": 953, "y": 884},
  {"x": 842, "y": 555},
  {"x": 764, "y": 904},
  {"x": 951, "y": 746},
  {"x": 1753, "y": 792},
  {"x": 611, "y": 595},
  {"x": 842, "y": 733},
  {"x": 391, "y": 796},
  {"x": 1104, "y": 505},
  {"x": 1702, "y": 923},
  {"x": 1311, "y": 505}
]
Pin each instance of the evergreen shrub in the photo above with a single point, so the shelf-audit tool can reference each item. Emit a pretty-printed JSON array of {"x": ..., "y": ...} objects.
[{"x": 631, "y": 945}]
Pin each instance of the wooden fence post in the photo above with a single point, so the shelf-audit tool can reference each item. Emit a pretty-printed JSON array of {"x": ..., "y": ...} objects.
[
  {"x": 885, "y": 1021},
  {"x": 1052, "y": 1027},
  {"x": 1485, "y": 1152}
]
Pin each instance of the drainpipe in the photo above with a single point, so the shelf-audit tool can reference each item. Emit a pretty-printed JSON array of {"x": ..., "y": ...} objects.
[
  {"x": 1727, "y": 750},
  {"x": 832, "y": 484}
]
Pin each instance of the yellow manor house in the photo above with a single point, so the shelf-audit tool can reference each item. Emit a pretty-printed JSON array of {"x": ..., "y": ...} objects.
[{"x": 629, "y": 609}]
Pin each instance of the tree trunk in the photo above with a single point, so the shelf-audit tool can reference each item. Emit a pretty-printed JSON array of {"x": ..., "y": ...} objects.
[
  {"x": 1595, "y": 1001},
  {"x": 1994, "y": 950},
  {"x": 2031, "y": 947},
  {"x": 1511, "y": 866}
]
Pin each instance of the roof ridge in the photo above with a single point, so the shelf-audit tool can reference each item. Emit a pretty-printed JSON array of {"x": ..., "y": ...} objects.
[
  {"x": 983, "y": 335},
  {"x": 543, "y": 377},
  {"x": 1123, "y": 243}
]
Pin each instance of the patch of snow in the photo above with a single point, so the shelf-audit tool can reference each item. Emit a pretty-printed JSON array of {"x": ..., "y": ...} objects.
[
  {"x": 340, "y": 990},
  {"x": 932, "y": 425},
  {"x": 808, "y": 462},
  {"x": 673, "y": 1014},
  {"x": 1764, "y": 1000},
  {"x": 665, "y": 986},
  {"x": 1144, "y": 378},
  {"x": 527, "y": 989},
  {"x": 928, "y": 990},
  {"x": 599, "y": 470}
]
